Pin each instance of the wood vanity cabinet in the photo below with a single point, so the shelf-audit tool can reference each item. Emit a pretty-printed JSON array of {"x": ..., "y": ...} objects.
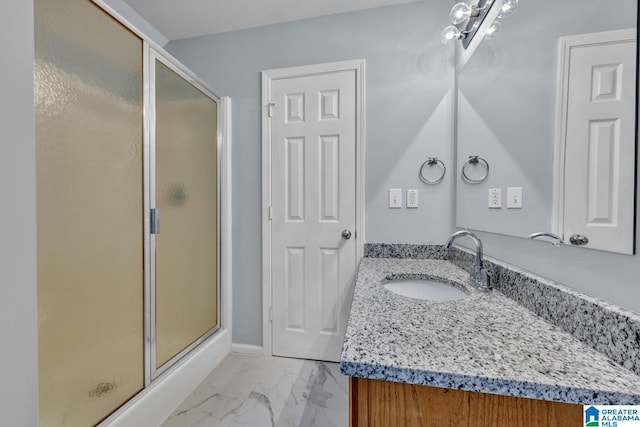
[{"x": 377, "y": 403}]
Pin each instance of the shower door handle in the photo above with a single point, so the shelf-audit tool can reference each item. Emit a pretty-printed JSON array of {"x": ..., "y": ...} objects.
[{"x": 154, "y": 220}]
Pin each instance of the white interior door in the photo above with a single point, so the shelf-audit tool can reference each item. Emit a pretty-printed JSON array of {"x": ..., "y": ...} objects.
[
  {"x": 599, "y": 172},
  {"x": 313, "y": 200}
]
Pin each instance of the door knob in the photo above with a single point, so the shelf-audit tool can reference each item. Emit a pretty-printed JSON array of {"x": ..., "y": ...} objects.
[
  {"x": 346, "y": 234},
  {"x": 578, "y": 240}
]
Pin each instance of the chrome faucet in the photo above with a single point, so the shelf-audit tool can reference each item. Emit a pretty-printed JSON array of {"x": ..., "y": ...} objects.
[
  {"x": 479, "y": 277},
  {"x": 557, "y": 240}
]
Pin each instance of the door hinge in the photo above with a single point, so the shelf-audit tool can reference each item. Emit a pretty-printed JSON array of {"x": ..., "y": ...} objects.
[
  {"x": 270, "y": 213},
  {"x": 270, "y": 314},
  {"x": 270, "y": 108}
]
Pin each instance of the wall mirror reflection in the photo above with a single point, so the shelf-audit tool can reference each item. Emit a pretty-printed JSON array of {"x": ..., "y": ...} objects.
[{"x": 559, "y": 125}]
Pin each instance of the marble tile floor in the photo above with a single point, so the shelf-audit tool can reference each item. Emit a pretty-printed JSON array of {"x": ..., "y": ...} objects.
[{"x": 256, "y": 391}]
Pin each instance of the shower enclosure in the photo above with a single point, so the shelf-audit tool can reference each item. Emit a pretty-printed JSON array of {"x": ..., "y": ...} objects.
[
  {"x": 127, "y": 158},
  {"x": 184, "y": 203}
]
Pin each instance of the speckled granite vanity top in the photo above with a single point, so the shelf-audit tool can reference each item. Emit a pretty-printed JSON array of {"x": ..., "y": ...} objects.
[{"x": 485, "y": 342}]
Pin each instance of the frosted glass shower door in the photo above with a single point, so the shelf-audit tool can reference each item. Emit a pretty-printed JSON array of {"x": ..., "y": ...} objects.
[
  {"x": 89, "y": 154},
  {"x": 186, "y": 196}
]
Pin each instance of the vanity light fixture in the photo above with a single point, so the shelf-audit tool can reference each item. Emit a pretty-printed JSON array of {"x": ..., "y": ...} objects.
[
  {"x": 451, "y": 32},
  {"x": 461, "y": 12},
  {"x": 466, "y": 19},
  {"x": 493, "y": 30},
  {"x": 508, "y": 7},
  {"x": 506, "y": 10}
]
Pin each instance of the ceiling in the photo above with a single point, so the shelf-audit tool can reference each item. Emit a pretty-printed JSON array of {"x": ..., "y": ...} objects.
[{"x": 179, "y": 19}]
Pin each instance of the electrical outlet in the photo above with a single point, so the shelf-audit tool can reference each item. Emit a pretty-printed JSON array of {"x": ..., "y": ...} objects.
[
  {"x": 395, "y": 198},
  {"x": 514, "y": 197},
  {"x": 495, "y": 198},
  {"x": 412, "y": 198}
]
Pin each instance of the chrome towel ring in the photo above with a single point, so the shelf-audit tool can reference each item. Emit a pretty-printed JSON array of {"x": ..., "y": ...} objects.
[
  {"x": 432, "y": 162},
  {"x": 475, "y": 160}
]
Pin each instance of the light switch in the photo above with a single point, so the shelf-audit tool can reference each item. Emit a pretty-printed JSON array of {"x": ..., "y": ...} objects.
[
  {"x": 395, "y": 198},
  {"x": 412, "y": 198},
  {"x": 495, "y": 198},
  {"x": 514, "y": 197}
]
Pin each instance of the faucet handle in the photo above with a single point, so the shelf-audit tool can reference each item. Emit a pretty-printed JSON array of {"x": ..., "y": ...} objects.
[
  {"x": 488, "y": 272},
  {"x": 480, "y": 278}
]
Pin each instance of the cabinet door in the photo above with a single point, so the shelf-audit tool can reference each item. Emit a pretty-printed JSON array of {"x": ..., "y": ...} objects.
[{"x": 379, "y": 403}]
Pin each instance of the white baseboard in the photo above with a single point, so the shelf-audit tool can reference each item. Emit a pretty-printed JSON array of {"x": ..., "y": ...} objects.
[
  {"x": 246, "y": 348},
  {"x": 153, "y": 406}
]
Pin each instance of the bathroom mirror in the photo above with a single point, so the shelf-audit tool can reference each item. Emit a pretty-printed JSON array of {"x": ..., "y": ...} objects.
[{"x": 515, "y": 110}]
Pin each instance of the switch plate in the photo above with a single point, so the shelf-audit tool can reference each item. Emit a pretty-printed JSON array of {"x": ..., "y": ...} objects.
[
  {"x": 514, "y": 197},
  {"x": 412, "y": 198},
  {"x": 495, "y": 198},
  {"x": 395, "y": 198}
]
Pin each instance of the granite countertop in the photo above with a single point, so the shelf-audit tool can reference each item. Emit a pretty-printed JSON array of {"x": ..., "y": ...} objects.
[{"x": 485, "y": 342}]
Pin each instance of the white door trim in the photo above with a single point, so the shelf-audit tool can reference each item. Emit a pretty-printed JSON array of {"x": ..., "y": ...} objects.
[
  {"x": 565, "y": 44},
  {"x": 285, "y": 73}
]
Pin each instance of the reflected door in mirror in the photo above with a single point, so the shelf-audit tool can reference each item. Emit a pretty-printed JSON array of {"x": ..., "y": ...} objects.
[{"x": 598, "y": 140}]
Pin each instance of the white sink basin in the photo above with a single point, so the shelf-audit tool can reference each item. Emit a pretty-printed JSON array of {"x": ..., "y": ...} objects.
[{"x": 430, "y": 290}]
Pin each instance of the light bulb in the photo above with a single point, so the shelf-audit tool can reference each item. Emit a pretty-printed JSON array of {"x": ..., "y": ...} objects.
[
  {"x": 492, "y": 31},
  {"x": 460, "y": 12},
  {"x": 507, "y": 8},
  {"x": 486, "y": 5},
  {"x": 449, "y": 33},
  {"x": 474, "y": 27}
]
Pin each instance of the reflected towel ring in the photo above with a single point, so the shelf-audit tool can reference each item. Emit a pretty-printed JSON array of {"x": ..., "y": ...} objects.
[
  {"x": 432, "y": 161},
  {"x": 474, "y": 160}
]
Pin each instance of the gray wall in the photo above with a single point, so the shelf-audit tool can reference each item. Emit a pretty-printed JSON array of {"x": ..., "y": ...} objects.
[
  {"x": 408, "y": 117},
  {"x": 18, "y": 303}
]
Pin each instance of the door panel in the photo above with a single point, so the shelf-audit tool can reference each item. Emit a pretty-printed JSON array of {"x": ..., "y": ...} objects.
[
  {"x": 600, "y": 145},
  {"x": 186, "y": 149},
  {"x": 313, "y": 144},
  {"x": 88, "y": 75}
]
